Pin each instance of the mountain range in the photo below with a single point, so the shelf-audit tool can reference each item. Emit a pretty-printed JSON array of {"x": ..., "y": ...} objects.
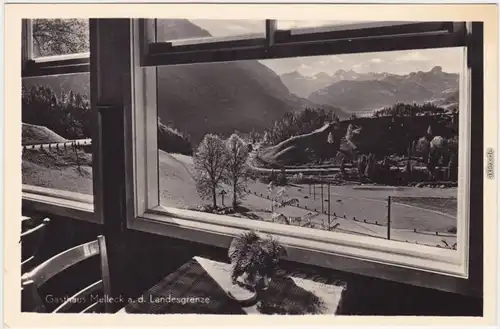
[{"x": 354, "y": 92}]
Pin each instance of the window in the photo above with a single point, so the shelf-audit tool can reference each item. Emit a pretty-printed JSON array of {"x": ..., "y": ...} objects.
[
  {"x": 170, "y": 94},
  {"x": 252, "y": 88},
  {"x": 52, "y": 37},
  {"x": 57, "y": 123},
  {"x": 223, "y": 141}
]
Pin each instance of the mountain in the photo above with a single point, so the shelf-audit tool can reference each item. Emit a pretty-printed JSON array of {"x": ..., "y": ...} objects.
[
  {"x": 355, "y": 96},
  {"x": 435, "y": 80},
  {"x": 450, "y": 102},
  {"x": 364, "y": 92},
  {"x": 221, "y": 97},
  {"x": 214, "y": 97},
  {"x": 303, "y": 86}
]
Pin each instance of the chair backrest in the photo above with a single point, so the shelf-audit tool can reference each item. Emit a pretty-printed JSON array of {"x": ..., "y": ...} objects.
[
  {"x": 34, "y": 279},
  {"x": 31, "y": 240}
]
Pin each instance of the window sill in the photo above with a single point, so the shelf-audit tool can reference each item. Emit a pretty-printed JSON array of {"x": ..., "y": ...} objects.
[
  {"x": 58, "y": 202},
  {"x": 391, "y": 260}
]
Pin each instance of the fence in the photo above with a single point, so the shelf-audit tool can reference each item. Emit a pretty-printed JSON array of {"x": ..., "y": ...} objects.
[
  {"x": 406, "y": 211},
  {"x": 69, "y": 146},
  {"x": 79, "y": 143}
]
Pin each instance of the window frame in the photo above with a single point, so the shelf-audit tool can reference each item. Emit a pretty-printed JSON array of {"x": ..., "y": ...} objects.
[
  {"x": 360, "y": 255},
  {"x": 49, "y": 200},
  {"x": 414, "y": 264},
  {"x": 309, "y": 42}
]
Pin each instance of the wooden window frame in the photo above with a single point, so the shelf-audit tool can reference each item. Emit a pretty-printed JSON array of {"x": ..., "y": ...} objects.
[
  {"x": 49, "y": 65},
  {"x": 335, "y": 40},
  {"x": 415, "y": 264},
  {"x": 48, "y": 200}
]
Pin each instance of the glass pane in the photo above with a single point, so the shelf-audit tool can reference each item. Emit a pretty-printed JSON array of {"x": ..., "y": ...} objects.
[
  {"x": 183, "y": 31},
  {"x": 311, "y": 26},
  {"x": 56, "y": 114},
  {"x": 60, "y": 36},
  {"x": 300, "y": 24},
  {"x": 319, "y": 142}
]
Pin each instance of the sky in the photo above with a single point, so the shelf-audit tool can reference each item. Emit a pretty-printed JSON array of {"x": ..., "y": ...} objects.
[{"x": 396, "y": 62}]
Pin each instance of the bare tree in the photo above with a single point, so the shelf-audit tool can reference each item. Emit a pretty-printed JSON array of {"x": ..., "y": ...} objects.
[
  {"x": 236, "y": 166},
  {"x": 210, "y": 162},
  {"x": 60, "y": 36}
]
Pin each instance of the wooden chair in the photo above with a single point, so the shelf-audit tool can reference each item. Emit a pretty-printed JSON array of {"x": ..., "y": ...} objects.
[
  {"x": 34, "y": 279},
  {"x": 31, "y": 240}
]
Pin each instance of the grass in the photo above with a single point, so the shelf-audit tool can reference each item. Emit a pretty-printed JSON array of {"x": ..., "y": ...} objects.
[
  {"x": 445, "y": 205},
  {"x": 371, "y": 205},
  {"x": 58, "y": 169}
]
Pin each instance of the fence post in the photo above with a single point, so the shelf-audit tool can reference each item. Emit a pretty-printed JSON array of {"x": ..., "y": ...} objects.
[
  {"x": 329, "y": 220},
  {"x": 322, "y": 198},
  {"x": 389, "y": 217}
]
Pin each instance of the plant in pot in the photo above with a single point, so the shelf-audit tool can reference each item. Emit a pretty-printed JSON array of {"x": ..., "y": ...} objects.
[{"x": 254, "y": 261}]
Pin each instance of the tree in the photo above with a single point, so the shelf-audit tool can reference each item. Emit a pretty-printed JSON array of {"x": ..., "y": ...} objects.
[
  {"x": 210, "y": 162},
  {"x": 330, "y": 138},
  {"x": 236, "y": 166},
  {"x": 60, "y": 36}
]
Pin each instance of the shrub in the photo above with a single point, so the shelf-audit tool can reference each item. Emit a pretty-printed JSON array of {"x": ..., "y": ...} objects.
[
  {"x": 281, "y": 179},
  {"x": 215, "y": 210},
  {"x": 452, "y": 230}
]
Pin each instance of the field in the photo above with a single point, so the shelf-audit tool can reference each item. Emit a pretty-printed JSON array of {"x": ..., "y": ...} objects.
[
  {"x": 422, "y": 215},
  {"x": 419, "y": 209},
  {"x": 58, "y": 169}
]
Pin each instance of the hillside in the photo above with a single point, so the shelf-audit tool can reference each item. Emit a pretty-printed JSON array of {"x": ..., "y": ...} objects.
[
  {"x": 33, "y": 134},
  {"x": 298, "y": 149},
  {"x": 381, "y": 136}
]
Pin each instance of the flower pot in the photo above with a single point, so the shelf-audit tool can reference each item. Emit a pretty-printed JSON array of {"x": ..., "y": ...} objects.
[{"x": 243, "y": 294}]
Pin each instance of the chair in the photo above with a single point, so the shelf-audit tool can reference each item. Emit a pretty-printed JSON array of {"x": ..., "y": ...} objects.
[
  {"x": 34, "y": 279},
  {"x": 30, "y": 243}
]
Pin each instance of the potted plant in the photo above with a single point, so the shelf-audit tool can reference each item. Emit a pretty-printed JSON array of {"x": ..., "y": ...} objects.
[{"x": 254, "y": 260}]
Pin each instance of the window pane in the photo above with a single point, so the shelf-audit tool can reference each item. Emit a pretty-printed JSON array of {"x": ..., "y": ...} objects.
[
  {"x": 311, "y": 26},
  {"x": 60, "y": 36},
  {"x": 329, "y": 138},
  {"x": 55, "y": 113},
  {"x": 300, "y": 24},
  {"x": 183, "y": 31}
]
